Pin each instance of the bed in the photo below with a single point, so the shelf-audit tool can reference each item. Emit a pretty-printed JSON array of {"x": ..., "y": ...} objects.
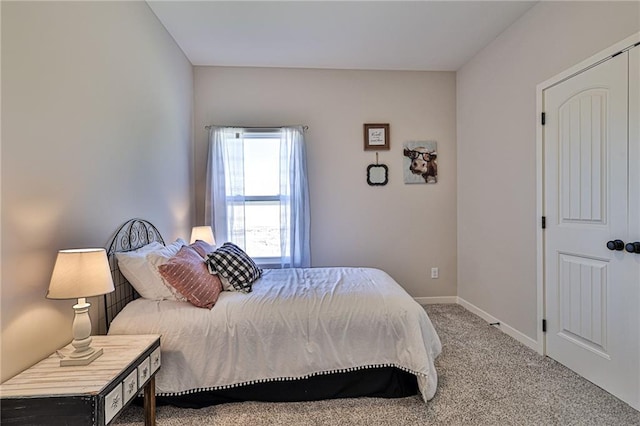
[{"x": 300, "y": 334}]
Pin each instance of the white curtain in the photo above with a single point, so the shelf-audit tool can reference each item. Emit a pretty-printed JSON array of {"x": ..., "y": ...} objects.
[
  {"x": 225, "y": 196},
  {"x": 294, "y": 199},
  {"x": 224, "y": 201}
]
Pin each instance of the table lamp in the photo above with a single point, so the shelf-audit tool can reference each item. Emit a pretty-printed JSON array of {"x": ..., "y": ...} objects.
[
  {"x": 80, "y": 273},
  {"x": 204, "y": 233}
]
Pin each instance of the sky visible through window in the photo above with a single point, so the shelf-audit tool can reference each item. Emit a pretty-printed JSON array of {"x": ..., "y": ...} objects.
[{"x": 262, "y": 178}]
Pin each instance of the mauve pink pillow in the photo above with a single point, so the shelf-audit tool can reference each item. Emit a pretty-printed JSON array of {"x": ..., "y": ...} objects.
[
  {"x": 203, "y": 248},
  {"x": 187, "y": 273}
]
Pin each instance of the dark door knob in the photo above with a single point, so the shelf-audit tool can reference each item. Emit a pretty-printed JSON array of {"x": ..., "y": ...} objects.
[
  {"x": 633, "y": 247},
  {"x": 615, "y": 245}
]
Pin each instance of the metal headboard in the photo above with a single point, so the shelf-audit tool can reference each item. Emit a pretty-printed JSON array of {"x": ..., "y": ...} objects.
[{"x": 134, "y": 234}]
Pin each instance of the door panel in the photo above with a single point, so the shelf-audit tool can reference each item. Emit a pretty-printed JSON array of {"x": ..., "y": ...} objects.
[
  {"x": 583, "y": 296},
  {"x": 592, "y": 294},
  {"x": 581, "y": 156}
]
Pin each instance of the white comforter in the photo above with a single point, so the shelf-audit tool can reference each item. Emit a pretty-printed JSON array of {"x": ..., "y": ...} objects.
[{"x": 295, "y": 324}]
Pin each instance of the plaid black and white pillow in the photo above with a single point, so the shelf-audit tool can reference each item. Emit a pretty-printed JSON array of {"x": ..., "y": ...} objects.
[{"x": 235, "y": 265}]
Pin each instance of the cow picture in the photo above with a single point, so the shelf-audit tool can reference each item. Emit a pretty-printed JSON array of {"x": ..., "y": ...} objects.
[{"x": 420, "y": 162}]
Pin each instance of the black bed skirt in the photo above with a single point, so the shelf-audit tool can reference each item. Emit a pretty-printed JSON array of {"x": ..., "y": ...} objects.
[{"x": 385, "y": 382}]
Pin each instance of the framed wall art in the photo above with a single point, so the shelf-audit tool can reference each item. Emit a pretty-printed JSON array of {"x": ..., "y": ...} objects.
[
  {"x": 376, "y": 137},
  {"x": 420, "y": 162}
]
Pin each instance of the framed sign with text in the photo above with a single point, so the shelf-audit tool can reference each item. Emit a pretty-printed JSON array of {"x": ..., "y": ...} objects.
[{"x": 376, "y": 137}]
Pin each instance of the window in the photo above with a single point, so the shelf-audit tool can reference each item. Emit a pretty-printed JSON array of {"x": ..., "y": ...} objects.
[
  {"x": 257, "y": 193},
  {"x": 260, "y": 211}
]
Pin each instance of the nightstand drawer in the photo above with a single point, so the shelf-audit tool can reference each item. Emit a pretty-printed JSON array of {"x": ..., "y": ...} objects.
[
  {"x": 155, "y": 359},
  {"x": 144, "y": 371},
  {"x": 112, "y": 403},
  {"x": 130, "y": 386}
]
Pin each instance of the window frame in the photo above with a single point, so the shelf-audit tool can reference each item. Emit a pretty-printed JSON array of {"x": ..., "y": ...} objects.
[{"x": 261, "y": 133}]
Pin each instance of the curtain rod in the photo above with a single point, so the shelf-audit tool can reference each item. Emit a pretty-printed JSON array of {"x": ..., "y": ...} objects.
[{"x": 304, "y": 127}]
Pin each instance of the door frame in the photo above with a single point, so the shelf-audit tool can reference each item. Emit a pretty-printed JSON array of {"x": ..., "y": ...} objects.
[{"x": 590, "y": 62}]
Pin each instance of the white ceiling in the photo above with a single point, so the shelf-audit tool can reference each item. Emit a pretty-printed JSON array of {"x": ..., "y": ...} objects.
[{"x": 377, "y": 35}]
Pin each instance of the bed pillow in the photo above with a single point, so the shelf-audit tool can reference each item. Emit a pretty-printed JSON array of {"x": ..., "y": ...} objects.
[
  {"x": 230, "y": 262},
  {"x": 160, "y": 257},
  {"x": 202, "y": 248},
  {"x": 142, "y": 275},
  {"x": 226, "y": 285},
  {"x": 189, "y": 275}
]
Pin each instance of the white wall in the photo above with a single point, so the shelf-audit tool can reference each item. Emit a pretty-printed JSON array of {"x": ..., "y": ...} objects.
[
  {"x": 402, "y": 229},
  {"x": 96, "y": 128},
  {"x": 496, "y": 126}
]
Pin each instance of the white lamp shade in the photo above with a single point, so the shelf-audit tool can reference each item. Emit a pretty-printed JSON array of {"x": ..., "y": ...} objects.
[
  {"x": 80, "y": 273},
  {"x": 204, "y": 233}
]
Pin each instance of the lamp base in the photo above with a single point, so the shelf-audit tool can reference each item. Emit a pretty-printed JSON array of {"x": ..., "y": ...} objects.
[
  {"x": 83, "y": 353},
  {"x": 69, "y": 361}
]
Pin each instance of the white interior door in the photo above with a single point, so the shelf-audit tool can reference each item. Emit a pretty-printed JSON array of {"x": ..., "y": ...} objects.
[
  {"x": 592, "y": 293},
  {"x": 634, "y": 205}
]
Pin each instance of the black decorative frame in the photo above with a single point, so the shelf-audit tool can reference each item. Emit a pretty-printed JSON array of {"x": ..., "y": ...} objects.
[
  {"x": 132, "y": 235},
  {"x": 386, "y": 175}
]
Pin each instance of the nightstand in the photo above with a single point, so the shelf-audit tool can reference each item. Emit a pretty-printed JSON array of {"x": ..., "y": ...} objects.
[{"x": 93, "y": 394}]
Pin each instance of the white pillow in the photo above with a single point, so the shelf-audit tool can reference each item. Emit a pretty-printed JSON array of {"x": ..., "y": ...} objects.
[
  {"x": 226, "y": 285},
  {"x": 143, "y": 275}
]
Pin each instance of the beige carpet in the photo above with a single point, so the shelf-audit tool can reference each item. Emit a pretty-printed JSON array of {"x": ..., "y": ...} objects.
[{"x": 485, "y": 378}]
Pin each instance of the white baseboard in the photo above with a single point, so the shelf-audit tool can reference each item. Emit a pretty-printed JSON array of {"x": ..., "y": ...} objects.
[
  {"x": 505, "y": 328},
  {"x": 435, "y": 300}
]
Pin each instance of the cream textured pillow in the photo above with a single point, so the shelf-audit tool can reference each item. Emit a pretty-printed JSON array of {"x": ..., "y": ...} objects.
[
  {"x": 189, "y": 275},
  {"x": 143, "y": 275}
]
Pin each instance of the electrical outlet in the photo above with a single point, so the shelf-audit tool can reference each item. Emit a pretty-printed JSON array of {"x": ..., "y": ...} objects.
[{"x": 434, "y": 273}]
